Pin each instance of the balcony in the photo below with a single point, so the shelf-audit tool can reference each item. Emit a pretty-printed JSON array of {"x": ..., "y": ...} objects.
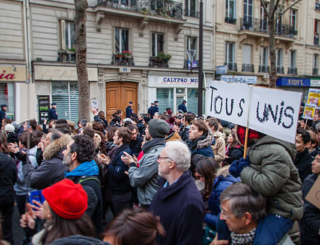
[
  {"x": 315, "y": 71},
  {"x": 66, "y": 56},
  {"x": 247, "y": 68},
  {"x": 167, "y": 9},
  {"x": 280, "y": 69},
  {"x": 231, "y": 66},
  {"x": 189, "y": 66},
  {"x": 230, "y": 20},
  {"x": 263, "y": 69},
  {"x": 122, "y": 60},
  {"x": 317, "y": 6},
  {"x": 191, "y": 13},
  {"x": 292, "y": 71},
  {"x": 158, "y": 62},
  {"x": 316, "y": 39}
]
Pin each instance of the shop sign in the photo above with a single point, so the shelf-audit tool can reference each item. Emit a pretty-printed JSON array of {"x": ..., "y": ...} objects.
[
  {"x": 60, "y": 73},
  {"x": 239, "y": 79},
  {"x": 13, "y": 73},
  {"x": 221, "y": 70},
  {"x": 44, "y": 107},
  {"x": 314, "y": 83},
  {"x": 293, "y": 82},
  {"x": 178, "y": 80}
]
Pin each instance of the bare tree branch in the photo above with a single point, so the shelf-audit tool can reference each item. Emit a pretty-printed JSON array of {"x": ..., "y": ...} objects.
[
  {"x": 274, "y": 8},
  {"x": 264, "y": 7},
  {"x": 288, "y": 8}
]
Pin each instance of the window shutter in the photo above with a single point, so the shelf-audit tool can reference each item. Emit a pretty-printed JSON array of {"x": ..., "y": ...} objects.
[{"x": 63, "y": 34}]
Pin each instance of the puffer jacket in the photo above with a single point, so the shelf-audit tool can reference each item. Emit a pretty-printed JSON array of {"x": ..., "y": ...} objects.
[
  {"x": 51, "y": 169},
  {"x": 221, "y": 182},
  {"x": 202, "y": 145},
  {"x": 219, "y": 147},
  {"x": 145, "y": 178},
  {"x": 273, "y": 174}
]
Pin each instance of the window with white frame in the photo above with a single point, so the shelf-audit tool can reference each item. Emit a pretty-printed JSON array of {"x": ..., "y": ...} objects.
[
  {"x": 231, "y": 12},
  {"x": 264, "y": 56},
  {"x": 122, "y": 2},
  {"x": 192, "y": 44},
  {"x": 247, "y": 54},
  {"x": 67, "y": 32},
  {"x": 230, "y": 53},
  {"x": 157, "y": 43},
  {"x": 315, "y": 61},
  {"x": 292, "y": 58},
  {"x": 190, "y": 8},
  {"x": 121, "y": 40},
  {"x": 293, "y": 19},
  {"x": 264, "y": 17},
  {"x": 279, "y": 21},
  {"x": 248, "y": 12},
  {"x": 279, "y": 57}
]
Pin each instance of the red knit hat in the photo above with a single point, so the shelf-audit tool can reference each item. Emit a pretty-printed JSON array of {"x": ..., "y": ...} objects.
[
  {"x": 241, "y": 133},
  {"x": 67, "y": 199}
]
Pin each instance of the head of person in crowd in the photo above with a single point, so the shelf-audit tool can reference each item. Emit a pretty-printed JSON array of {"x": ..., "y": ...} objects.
[
  {"x": 110, "y": 131},
  {"x": 27, "y": 140},
  {"x": 156, "y": 115},
  {"x": 61, "y": 121},
  {"x": 135, "y": 226},
  {"x": 98, "y": 127},
  {"x": 178, "y": 119},
  {"x": 316, "y": 164},
  {"x": 241, "y": 208},
  {"x": 232, "y": 140},
  {"x": 302, "y": 123},
  {"x": 122, "y": 136},
  {"x": 135, "y": 120},
  {"x": 5, "y": 121},
  {"x": 157, "y": 128},
  {"x": 119, "y": 113},
  {"x": 64, "y": 209},
  {"x": 134, "y": 131},
  {"x": 4, "y": 107},
  {"x": 169, "y": 111},
  {"x": 213, "y": 123},
  {"x": 101, "y": 114},
  {"x": 316, "y": 117},
  {"x": 198, "y": 128},
  {"x": 88, "y": 131},
  {"x": 3, "y": 144},
  {"x": 63, "y": 128},
  {"x": 72, "y": 127},
  {"x": 83, "y": 123},
  {"x": 79, "y": 150},
  {"x": 174, "y": 160},
  {"x": 127, "y": 121},
  {"x": 156, "y": 103},
  {"x": 146, "y": 121},
  {"x": 303, "y": 139},
  {"x": 100, "y": 142},
  {"x": 314, "y": 141},
  {"x": 206, "y": 172},
  {"x": 253, "y": 136},
  {"x": 12, "y": 137},
  {"x": 187, "y": 119}
]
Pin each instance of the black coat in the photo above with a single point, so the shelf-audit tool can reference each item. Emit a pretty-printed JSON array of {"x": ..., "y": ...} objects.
[
  {"x": 135, "y": 146},
  {"x": 182, "y": 107},
  {"x": 310, "y": 223},
  {"x": 2, "y": 115},
  {"x": 8, "y": 177},
  {"x": 181, "y": 212},
  {"x": 128, "y": 112},
  {"x": 52, "y": 114},
  {"x": 303, "y": 162},
  {"x": 233, "y": 154}
]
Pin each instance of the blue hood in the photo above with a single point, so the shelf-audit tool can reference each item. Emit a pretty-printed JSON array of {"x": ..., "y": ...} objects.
[{"x": 85, "y": 169}]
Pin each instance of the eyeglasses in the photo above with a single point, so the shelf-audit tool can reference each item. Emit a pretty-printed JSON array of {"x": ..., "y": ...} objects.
[
  {"x": 160, "y": 158},
  {"x": 224, "y": 215}
]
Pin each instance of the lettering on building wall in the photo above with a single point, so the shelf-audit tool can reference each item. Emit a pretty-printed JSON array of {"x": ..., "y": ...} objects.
[
  {"x": 6, "y": 76},
  {"x": 179, "y": 80},
  {"x": 295, "y": 82}
]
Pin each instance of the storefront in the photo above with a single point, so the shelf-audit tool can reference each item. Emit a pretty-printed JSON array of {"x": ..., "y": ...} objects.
[
  {"x": 171, "y": 90},
  {"x": 296, "y": 84},
  {"x": 239, "y": 79}
]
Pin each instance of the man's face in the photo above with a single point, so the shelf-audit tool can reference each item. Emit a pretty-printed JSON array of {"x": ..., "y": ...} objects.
[
  {"x": 184, "y": 122},
  {"x": 47, "y": 140},
  {"x": 4, "y": 108},
  {"x": 67, "y": 158},
  {"x": 134, "y": 134},
  {"x": 300, "y": 144},
  {"x": 316, "y": 165},
  {"x": 194, "y": 132},
  {"x": 148, "y": 136},
  {"x": 316, "y": 117},
  {"x": 130, "y": 104},
  {"x": 164, "y": 162},
  {"x": 116, "y": 139},
  {"x": 156, "y": 115},
  {"x": 54, "y": 106},
  {"x": 234, "y": 224},
  {"x": 178, "y": 121}
]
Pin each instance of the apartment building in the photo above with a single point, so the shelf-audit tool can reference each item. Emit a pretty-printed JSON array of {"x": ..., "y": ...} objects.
[
  {"x": 242, "y": 46},
  {"x": 136, "y": 50}
]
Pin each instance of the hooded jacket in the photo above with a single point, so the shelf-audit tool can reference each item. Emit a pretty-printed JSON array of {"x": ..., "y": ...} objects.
[
  {"x": 173, "y": 137},
  {"x": 219, "y": 147},
  {"x": 273, "y": 174},
  {"x": 202, "y": 145},
  {"x": 145, "y": 177},
  {"x": 51, "y": 169},
  {"x": 8, "y": 176}
]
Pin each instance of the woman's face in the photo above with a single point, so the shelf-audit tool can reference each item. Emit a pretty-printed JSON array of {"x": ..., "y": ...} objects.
[
  {"x": 230, "y": 139},
  {"x": 300, "y": 144},
  {"x": 46, "y": 211},
  {"x": 199, "y": 177}
]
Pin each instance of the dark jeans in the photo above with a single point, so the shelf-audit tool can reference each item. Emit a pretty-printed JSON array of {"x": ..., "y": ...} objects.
[
  {"x": 21, "y": 203},
  {"x": 121, "y": 201},
  {"x": 7, "y": 213}
]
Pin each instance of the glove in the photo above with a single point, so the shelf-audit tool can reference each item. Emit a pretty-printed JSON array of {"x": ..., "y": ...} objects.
[{"x": 237, "y": 166}]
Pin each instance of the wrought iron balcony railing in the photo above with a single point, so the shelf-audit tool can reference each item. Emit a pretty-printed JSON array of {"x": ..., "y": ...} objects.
[
  {"x": 263, "y": 69},
  {"x": 230, "y": 20},
  {"x": 247, "y": 68},
  {"x": 156, "y": 62},
  {"x": 191, "y": 13},
  {"x": 66, "y": 56},
  {"x": 315, "y": 71},
  {"x": 167, "y": 9},
  {"x": 280, "y": 69},
  {"x": 231, "y": 66},
  {"x": 122, "y": 60},
  {"x": 292, "y": 71}
]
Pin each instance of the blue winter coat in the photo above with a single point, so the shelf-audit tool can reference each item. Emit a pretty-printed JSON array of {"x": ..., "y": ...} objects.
[
  {"x": 128, "y": 112},
  {"x": 182, "y": 107},
  {"x": 52, "y": 114},
  {"x": 207, "y": 151},
  {"x": 219, "y": 185}
]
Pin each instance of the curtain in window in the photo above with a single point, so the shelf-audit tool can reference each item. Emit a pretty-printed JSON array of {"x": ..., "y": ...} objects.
[
  {"x": 125, "y": 39},
  {"x": 117, "y": 40}
]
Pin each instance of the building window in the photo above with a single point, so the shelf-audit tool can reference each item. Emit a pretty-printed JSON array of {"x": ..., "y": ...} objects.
[
  {"x": 292, "y": 61},
  {"x": 157, "y": 43},
  {"x": 231, "y": 16},
  {"x": 192, "y": 44},
  {"x": 264, "y": 60},
  {"x": 279, "y": 59},
  {"x": 264, "y": 18},
  {"x": 230, "y": 57},
  {"x": 7, "y": 96},
  {"x": 67, "y": 35},
  {"x": 248, "y": 12},
  {"x": 293, "y": 19},
  {"x": 192, "y": 98},
  {"x": 65, "y": 94},
  {"x": 247, "y": 59},
  {"x": 316, "y": 32},
  {"x": 315, "y": 64},
  {"x": 121, "y": 2},
  {"x": 121, "y": 40},
  {"x": 165, "y": 98},
  {"x": 190, "y": 8},
  {"x": 279, "y": 28}
]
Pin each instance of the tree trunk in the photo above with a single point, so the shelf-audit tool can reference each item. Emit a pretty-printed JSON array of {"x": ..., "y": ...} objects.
[
  {"x": 81, "y": 55},
  {"x": 272, "y": 49}
]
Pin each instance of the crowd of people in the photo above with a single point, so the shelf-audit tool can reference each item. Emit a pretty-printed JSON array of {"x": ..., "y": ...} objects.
[{"x": 166, "y": 178}]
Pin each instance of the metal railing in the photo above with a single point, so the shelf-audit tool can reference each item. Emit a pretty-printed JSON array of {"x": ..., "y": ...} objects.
[
  {"x": 292, "y": 70},
  {"x": 122, "y": 60},
  {"x": 156, "y": 62},
  {"x": 263, "y": 68},
  {"x": 247, "y": 68},
  {"x": 231, "y": 66},
  {"x": 66, "y": 56},
  {"x": 261, "y": 25},
  {"x": 315, "y": 71},
  {"x": 191, "y": 13},
  {"x": 167, "y": 9},
  {"x": 280, "y": 69},
  {"x": 317, "y": 6},
  {"x": 230, "y": 20}
]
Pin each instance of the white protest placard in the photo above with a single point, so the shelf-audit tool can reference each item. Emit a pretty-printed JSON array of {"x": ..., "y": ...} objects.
[
  {"x": 228, "y": 101},
  {"x": 94, "y": 104},
  {"x": 274, "y": 112}
]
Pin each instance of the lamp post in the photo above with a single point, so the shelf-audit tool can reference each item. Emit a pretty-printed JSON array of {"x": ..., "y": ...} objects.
[{"x": 200, "y": 62}]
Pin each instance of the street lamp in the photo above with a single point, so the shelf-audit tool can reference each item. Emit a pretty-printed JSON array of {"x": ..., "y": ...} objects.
[{"x": 200, "y": 62}]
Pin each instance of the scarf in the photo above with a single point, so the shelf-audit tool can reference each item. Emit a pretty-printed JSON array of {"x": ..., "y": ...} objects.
[
  {"x": 152, "y": 143},
  {"x": 245, "y": 239},
  {"x": 193, "y": 144},
  {"x": 85, "y": 169}
]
